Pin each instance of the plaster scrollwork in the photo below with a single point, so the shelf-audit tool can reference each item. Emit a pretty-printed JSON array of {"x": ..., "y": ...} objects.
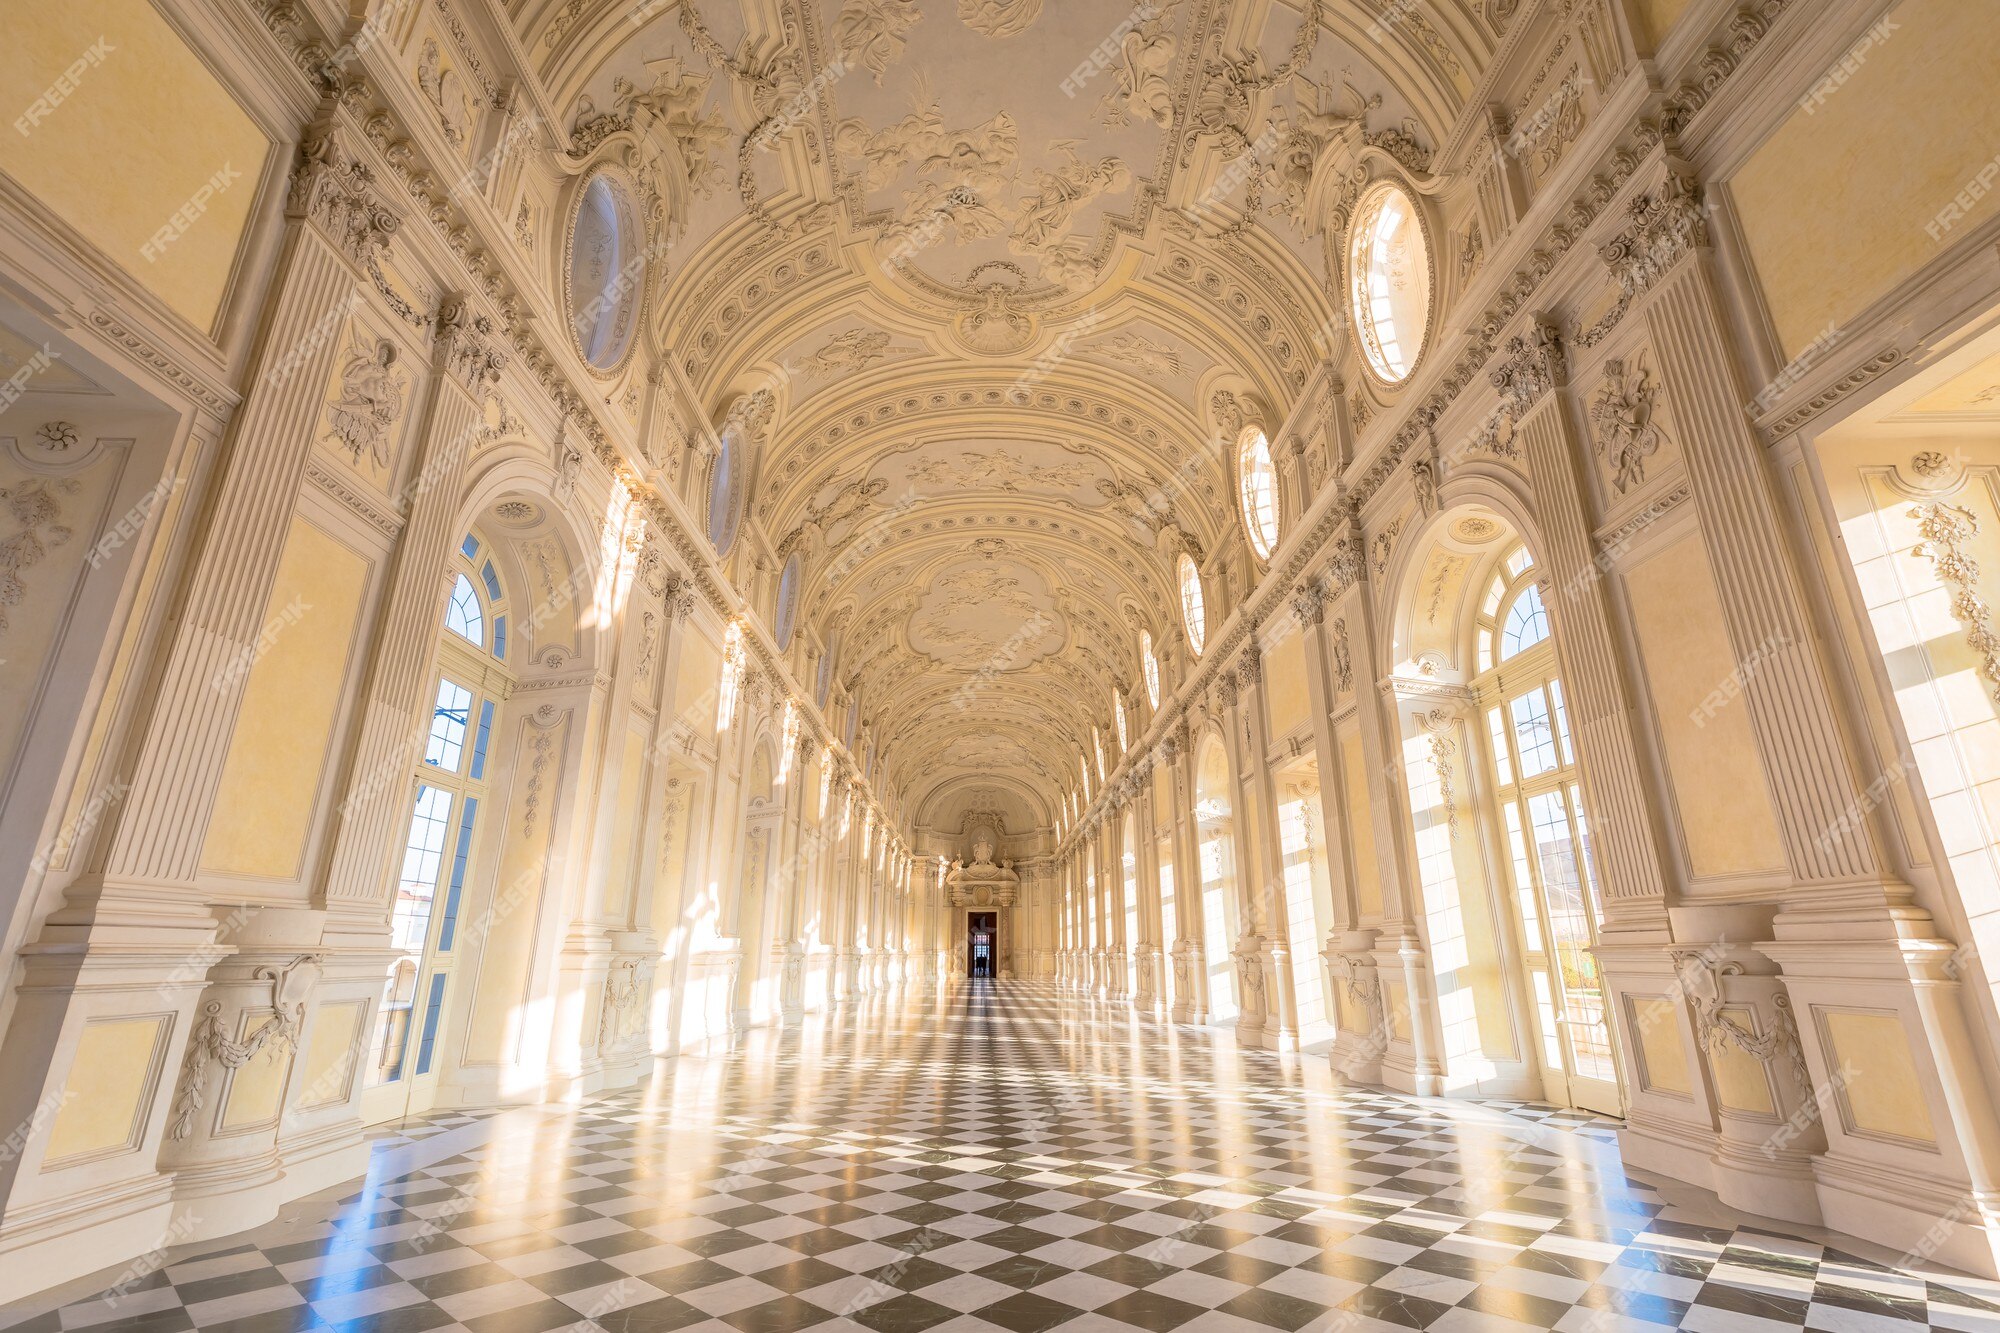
[
  {"x": 568, "y": 468},
  {"x": 873, "y": 33},
  {"x": 1701, "y": 977},
  {"x": 1947, "y": 531},
  {"x": 1343, "y": 658},
  {"x": 369, "y": 401},
  {"x": 853, "y": 351},
  {"x": 37, "y": 507},
  {"x": 1363, "y": 984},
  {"x": 210, "y": 1043},
  {"x": 620, "y": 1013},
  {"x": 56, "y": 437},
  {"x": 1663, "y": 228},
  {"x": 338, "y": 192},
  {"x": 1424, "y": 478},
  {"x": 445, "y": 92},
  {"x": 1308, "y": 605},
  {"x": 1144, "y": 72},
  {"x": 1224, "y": 103},
  {"x": 472, "y": 349},
  {"x": 1623, "y": 411},
  {"x": 1442, "y": 725},
  {"x": 999, "y": 18},
  {"x": 1249, "y": 954}
]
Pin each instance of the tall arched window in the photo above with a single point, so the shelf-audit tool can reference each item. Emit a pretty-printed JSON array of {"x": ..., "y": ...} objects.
[
  {"x": 1257, "y": 491},
  {"x": 1540, "y": 801},
  {"x": 1193, "y": 614},
  {"x": 438, "y": 845},
  {"x": 1149, "y": 666}
]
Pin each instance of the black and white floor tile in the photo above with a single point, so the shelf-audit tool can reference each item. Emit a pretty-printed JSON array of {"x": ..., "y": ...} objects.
[{"x": 1010, "y": 1158}]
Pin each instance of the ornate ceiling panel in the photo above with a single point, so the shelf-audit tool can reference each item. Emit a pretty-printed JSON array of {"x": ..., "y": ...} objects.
[{"x": 992, "y": 259}]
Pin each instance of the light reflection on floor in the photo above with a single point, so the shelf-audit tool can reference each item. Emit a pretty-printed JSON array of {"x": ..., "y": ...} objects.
[{"x": 1009, "y": 1157}]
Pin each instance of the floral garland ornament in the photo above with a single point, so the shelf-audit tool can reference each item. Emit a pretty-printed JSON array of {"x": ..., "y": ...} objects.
[
  {"x": 1947, "y": 532},
  {"x": 210, "y": 1042}
]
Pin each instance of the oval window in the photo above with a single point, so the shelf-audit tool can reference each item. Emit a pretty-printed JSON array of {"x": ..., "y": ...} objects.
[
  {"x": 1257, "y": 488},
  {"x": 1389, "y": 281},
  {"x": 723, "y": 510},
  {"x": 607, "y": 272},
  {"x": 788, "y": 603},
  {"x": 1193, "y": 615}
]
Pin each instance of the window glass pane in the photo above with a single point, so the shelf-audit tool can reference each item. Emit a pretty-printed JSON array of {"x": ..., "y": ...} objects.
[
  {"x": 423, "y": 860},
  {"x": 1493, "y": 596},
  {"x": 1192, "y": 610},
  {"x": 1524, "y": 877},
  {"x": 433, "y": 1003},
  {"x": 1517, "y": 561},
  {"x": 462, "y": 616},
  {"x": 448, "y": 721},
  {"x": 1485, "y": 648},
  {"x": 1570, "y": 935},
  {"x": 491, "y": 579},
  {"x": 1497, "y": 730},
  {"x": 1562, "y": 721},
  {"x": 1258, "y": 482},
  {"x": 484, "y": 735},
  {"x": 469, "y": 547},
  {"x": 1533, "y": 733},
  {"x": 448, "y": 927},
  {"x": 1527, "y": 623},
  {"x": 500, "y": 637}
]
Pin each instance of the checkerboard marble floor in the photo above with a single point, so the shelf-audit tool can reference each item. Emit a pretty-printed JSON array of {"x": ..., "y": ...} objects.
[{"x": 1009, "y": 1157}]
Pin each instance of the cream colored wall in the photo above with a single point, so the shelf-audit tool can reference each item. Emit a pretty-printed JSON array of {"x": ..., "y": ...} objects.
[
  {"x": 1742, "y": 1081},
  {"x": 279, "y": 748},
  {"x": 1843, "y": 201},
  {"x": 1658, "y": 17},
  {"x": 631, "y": 787},
  {"x": 1719, "y": 791},
  {"x": 144, "y": 130}
]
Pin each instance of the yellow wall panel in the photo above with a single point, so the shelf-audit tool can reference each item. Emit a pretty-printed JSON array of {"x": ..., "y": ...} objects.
[
  {"x": 695, "y": 690},
  {"x": 332, "y": 1054},
  {"x": 631, "y": 787},
  {"x": 265, "y": 803},
  {"x": 123, "y": 132},
  {"x": 257, "y": 1089},
  {"x": 1660, "y": 16},
  {"x": 1822, "y": 254},
  {"x": 1878, "y": 1080},
  {"x": 1741, "y": 1083},
  {"x": 1367, "y": 877},
  {"x": 110, "y": 1080},
  {"x": 1718, "y": 776},
  {"x": 1285, "y": 675},
  {"x": 1656, "y": 1031}
]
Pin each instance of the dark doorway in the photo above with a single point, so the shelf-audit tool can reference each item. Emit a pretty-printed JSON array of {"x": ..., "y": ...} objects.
[{"x": 982, "y": 931}]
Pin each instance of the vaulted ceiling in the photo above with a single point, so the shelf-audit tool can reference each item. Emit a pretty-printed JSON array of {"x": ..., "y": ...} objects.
[{"x": 994, "y": 258}]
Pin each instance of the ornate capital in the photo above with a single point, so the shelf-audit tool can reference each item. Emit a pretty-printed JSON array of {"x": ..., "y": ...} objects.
[
  {"x": 467, "y": 346},
  {"x": 1308, "y": 604},
  {"x": 338, "y": 193}
]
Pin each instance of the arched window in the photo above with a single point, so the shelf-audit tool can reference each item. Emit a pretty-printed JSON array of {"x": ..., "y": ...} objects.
[
  {"x": 724, "y": 495},
  {"x": 1389, "y": 281},
  {"x": 1149, "y": 666},
  {"x": 463, "y": 616},
  {"x": 1257, "y": 491},
  {"x": 1527, "y": 623},
  {"x": 1193, "y": 613}
]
